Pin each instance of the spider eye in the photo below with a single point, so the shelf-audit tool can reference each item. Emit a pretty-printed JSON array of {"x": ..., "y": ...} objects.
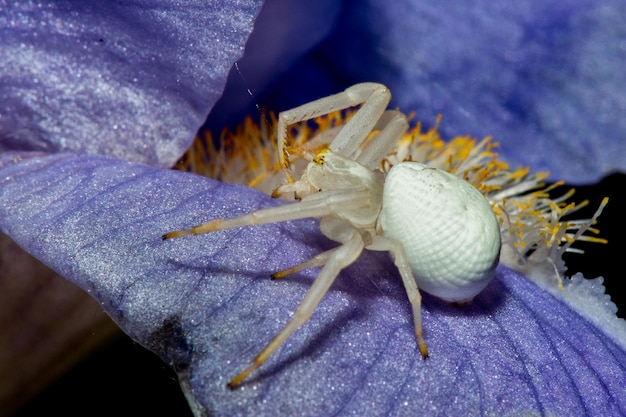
[{"x": 319, "y": 158}]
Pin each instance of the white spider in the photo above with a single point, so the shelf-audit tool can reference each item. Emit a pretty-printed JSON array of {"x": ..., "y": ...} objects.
[{"x": 440, "y": 230}]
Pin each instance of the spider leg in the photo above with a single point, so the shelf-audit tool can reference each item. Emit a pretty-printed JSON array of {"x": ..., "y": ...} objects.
[
  {"x": 352, "y": 246},
  {"x": 382, "y": 243},
  {"x": 375, "y": 98},
  {"x": 321, "y": 140},
  {"x": 318, "y": 260},
  {"x": 315, "y": 205},
  {"x": 392, "y": 125}
]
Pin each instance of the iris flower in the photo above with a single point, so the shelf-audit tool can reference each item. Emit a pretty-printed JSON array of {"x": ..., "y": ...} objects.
[{"x": 99, "y": 101}]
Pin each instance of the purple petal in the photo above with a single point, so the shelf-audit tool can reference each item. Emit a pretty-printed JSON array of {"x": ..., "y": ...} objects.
[
  {"x": 132, "y": 80},
  {"x": 205, "y": 305},
  {"x": 546, "y": 79}
]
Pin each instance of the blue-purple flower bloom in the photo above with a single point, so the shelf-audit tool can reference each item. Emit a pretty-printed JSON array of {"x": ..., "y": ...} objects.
[{"x": 98, "y": 100}]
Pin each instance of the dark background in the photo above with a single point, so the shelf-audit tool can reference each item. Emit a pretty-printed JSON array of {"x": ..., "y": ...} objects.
[
  {"x": 603, "y": 260},
  {"x": 124, "y": 379}
]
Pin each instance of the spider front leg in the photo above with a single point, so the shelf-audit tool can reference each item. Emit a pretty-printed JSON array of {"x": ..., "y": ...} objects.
[
  {"x": 314, "y": 205},
  {"x": 392, "y": 125},
  {"x": 352, "y": 245},
  {"x": 375, "y": 98}
]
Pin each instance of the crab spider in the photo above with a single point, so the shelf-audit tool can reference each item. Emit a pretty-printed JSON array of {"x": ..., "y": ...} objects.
[{"x": 440, "y": 231}]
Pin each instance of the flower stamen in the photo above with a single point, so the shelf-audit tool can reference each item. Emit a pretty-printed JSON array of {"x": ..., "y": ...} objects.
[{"x": 534, "y": 234}]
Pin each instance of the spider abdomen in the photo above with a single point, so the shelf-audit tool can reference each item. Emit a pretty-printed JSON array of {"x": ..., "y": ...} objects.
[{"x": 447, "y": 228}]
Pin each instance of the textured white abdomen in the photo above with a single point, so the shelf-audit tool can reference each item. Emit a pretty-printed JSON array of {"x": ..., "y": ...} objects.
[{"x": 447, "y": 228}]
